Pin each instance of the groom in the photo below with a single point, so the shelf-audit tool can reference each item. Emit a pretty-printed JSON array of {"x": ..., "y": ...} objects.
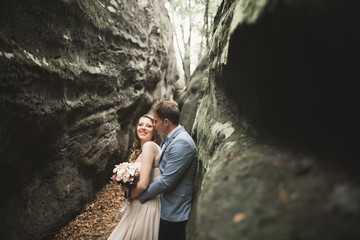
[{"x": 177, "y": 163}]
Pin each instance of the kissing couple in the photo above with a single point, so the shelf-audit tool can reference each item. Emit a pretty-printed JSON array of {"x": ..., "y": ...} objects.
[{"x": 161, "y": 199}]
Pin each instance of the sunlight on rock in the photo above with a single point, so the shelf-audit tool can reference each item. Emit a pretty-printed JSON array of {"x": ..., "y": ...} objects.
[
  {"x": 111, "y": 9},
  {"x": 222, "y": 128},
  {"x": 229, "y": 144},
  {"x": 34, "y": 59},
  {"x": 67, "y": 37},
  {"x": 8, "y": 55}
]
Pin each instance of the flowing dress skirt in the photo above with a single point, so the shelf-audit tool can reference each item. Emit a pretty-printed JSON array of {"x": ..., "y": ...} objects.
[{"x": 140, "y": 221}]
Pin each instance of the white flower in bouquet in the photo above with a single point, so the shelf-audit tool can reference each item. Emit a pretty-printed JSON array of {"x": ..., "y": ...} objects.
[{"x": 126, "y": 174}]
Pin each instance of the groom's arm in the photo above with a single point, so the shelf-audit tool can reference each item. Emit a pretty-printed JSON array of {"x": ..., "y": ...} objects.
[{"x": 179, "y": 159}]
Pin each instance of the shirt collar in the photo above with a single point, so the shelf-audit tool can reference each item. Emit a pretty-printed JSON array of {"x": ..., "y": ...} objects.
[{"x": 174, "y": 130}]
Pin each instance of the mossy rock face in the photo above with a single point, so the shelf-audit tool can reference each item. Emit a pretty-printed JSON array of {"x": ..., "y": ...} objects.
[
  {"x": 189, "y": 99},
  {"x": 274, "y": 128},
  {"x": 75, "y": 76}
]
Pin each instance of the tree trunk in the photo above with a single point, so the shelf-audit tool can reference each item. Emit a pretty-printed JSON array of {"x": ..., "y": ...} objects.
[{"x": 206, "y": 22}]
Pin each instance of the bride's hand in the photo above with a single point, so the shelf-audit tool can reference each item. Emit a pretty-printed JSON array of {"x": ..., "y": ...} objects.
[{"x": 132, "y": 199}]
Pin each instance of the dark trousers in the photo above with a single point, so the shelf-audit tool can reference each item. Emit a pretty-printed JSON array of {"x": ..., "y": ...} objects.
[{"x": 172, "y": 230}]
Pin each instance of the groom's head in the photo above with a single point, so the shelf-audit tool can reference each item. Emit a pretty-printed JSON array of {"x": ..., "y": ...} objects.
[{"x": 166, "y": 116}]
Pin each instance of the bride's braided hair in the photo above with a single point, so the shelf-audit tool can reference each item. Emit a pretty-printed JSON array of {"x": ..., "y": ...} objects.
[{"x": 136, "y": 147}]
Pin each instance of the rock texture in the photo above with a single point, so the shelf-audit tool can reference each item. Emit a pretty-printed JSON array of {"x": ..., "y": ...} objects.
[
  {"x": 276, "y": 128},
  {"x": 189, "y": 99},
  {"x": 75, "y": 76}
]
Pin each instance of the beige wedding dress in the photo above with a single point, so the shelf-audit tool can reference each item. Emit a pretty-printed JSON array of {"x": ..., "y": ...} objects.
[{"x": 140, "y": 221}]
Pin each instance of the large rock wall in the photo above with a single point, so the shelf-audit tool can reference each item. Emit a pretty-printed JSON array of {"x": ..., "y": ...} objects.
[
  {"x": 276, "y": 128},
  {"x": 189, "y": 99},
  {"x": 74, "y": 77}
]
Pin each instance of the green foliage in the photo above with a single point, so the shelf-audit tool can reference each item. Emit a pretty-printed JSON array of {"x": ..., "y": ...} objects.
[{"x": 192, "y": 23}]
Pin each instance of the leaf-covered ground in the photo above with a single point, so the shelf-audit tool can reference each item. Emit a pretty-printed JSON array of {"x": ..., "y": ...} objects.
[{"x": 98, "y": 218}]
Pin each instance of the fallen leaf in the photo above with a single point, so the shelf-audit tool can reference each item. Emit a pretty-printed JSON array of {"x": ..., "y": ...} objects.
[
  {"x": 239, "y": 217},
  {"x": 102, "y": 218},
  {"x": 282, "y": 194}
]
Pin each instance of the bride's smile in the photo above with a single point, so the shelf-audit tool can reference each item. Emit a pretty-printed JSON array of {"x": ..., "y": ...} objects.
[{"x": 145, "y": 129}]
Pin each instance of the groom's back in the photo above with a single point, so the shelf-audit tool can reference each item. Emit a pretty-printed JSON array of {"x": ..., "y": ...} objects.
[{"x": 176, "y": 203}]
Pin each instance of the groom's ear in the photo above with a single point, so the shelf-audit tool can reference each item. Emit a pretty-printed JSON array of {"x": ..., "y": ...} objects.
[{"x": 166, "y": 121}]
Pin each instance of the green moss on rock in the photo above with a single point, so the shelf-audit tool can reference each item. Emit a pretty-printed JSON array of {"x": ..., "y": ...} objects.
[{"x": 256, "y": 178}]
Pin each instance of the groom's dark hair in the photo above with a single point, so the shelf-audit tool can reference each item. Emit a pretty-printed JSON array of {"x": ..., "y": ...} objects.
[{"x": 169, "y": 110}]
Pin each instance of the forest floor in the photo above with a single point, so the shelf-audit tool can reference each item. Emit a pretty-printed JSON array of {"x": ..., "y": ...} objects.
[{"x": 98, "y": 218}]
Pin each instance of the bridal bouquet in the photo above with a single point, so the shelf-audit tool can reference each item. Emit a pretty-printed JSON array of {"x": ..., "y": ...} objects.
[{"x": 126, "y": 174}]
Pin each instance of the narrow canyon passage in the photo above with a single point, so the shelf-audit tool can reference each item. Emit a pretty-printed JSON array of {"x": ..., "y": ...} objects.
[{"x": 272, "y": 109}]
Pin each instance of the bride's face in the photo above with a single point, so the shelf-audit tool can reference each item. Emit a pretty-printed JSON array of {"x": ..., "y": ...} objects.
[{"x": 145, "y": 129}]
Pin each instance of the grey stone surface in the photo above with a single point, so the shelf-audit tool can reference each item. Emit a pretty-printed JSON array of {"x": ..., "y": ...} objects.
[
  {"x": 276, "y": 127},
  {"x": 74, "y": 77},
  {"x": 189, "y": 99}
]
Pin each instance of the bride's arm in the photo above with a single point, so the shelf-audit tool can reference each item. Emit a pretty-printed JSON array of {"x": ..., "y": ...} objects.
[{"x": 147, "y": 159}]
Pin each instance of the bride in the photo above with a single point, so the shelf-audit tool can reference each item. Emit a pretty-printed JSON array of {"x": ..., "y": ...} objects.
[{"x": 141, "y": 221}]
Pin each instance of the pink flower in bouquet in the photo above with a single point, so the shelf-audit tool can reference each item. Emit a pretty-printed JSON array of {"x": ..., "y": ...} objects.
[{"x": 126, "y": 174}]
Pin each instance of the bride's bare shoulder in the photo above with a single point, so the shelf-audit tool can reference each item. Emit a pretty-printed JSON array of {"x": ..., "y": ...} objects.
[{"x": 152, "y": 145}]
